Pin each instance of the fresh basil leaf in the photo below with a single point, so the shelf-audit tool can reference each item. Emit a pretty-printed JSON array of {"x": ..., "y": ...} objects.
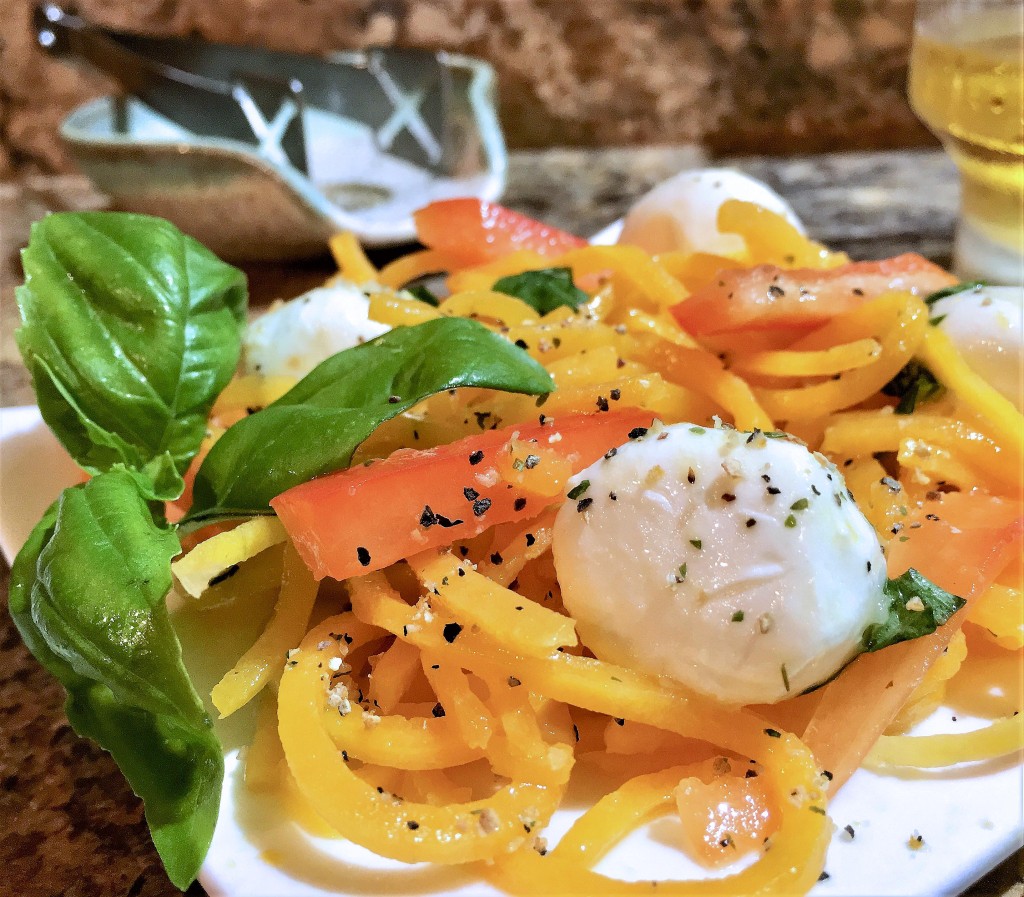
[
  {"x": 912, "y": 385},
  {"x": 423, "y": 294},
  {"x": 934, "y": 606},
  {"x": 87, "y": 594},
  {"x": 315, "y": 427},
  {"x": 131, "y": 330},
  {"x": 932, "y": 298},
  {"x": 543, "y": 290}
]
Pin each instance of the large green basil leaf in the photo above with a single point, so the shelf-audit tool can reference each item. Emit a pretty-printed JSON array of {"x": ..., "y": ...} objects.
[
  {"x": 87, "y": 594},
  {"x": 131, "y": 329},
  {"x": 917, "y": 607},
  {"x": 315, "y": 427}
]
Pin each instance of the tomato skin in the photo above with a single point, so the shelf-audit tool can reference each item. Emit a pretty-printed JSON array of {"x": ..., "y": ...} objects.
[
  {"x": 475, "y": 231},
  {"x": 367, "y": 517},
  {"x": 767, "y": 297}
]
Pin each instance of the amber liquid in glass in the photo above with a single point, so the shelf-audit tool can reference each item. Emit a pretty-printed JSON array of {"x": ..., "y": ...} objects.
[{"x": 967, "y": 85}]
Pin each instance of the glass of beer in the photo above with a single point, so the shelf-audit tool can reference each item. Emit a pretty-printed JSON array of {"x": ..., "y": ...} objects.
[{"x": 967, "y": 86}]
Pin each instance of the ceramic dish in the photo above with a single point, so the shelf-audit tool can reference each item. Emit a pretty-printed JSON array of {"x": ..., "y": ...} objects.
[
  {"x": 970, "y": 817},
  {"x": 248, "y": 204}
]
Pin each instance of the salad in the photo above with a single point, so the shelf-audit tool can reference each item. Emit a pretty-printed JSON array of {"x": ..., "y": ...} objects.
[{"x": 713, "y": 514}]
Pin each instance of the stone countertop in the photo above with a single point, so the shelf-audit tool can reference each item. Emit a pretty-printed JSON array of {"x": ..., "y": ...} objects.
[{"x": 68, "y": 822}]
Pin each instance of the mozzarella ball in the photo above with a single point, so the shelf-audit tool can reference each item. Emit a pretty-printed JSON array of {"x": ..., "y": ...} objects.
[
  {"x": 986, "y": 325},
  {"x": 682, "y": 212},
  {"x": 293, "y": 337},
  {"x": 735, "y": 563}
]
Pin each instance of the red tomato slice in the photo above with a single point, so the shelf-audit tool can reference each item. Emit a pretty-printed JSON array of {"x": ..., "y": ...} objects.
[
  {"x": 476, "y": 231},
  {"x": 767, "y": 297},
  {"x": 365, "y": 518},
  {"x": 962, "y": 544}
]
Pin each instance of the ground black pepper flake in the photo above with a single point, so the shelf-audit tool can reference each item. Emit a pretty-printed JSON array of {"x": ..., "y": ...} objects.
[
  {"x": 751, "y": 522},
  {"x": 728, "y": 496},
  {"x": 438, "y": 710},
  {"x": 824, "y": 876},
  {"x": 773, "y": 733},
  {"x": 470, "y": 493},
  {"x": 849, "y": 831},
  {"x": 413, "y": 825},
  {"x": 602, "y": 403},
  {"x": 691, "y": 477},
  {"x": 583, "y": 504},
  {"x": 394, "y": 400},
  {"x": 618, "y": 721},
  {"x": 522, "y": 344},
  {"x": 428, "y": 518},
  {"x": 481, "y": 417},
  {"x": 775, "y": 291},
  {"x": 519, "y": 503},
  {"x": 828, "y": 775},
  {"x": 363, "y": 555},
  {"x": 530, "y": 540},
  {"x": 480, "y": 506},
  {"x": 774, "y": 490},
  {"x": 496, "y": 558},
  {"x": 223, "y": 575},
  {"x": 476, "y": 457},
  {"x": 611, "y": 453},
  {"x": 637, "y": 432},
  {"x": 451, "y": 632},
  {"x": 513, "y": 682},
  {"x": 615, "y": 394},
  {"x": 576, "y": 732},
  {"x": 613, "y": 496}
]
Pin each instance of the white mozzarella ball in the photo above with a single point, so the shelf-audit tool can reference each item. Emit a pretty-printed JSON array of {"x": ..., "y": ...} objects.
[
  {"x": 682, "y": 212},
  {"x": 293, "y": 337},
  {"x": 987, "y": 327},
  {"x": 735, "y": 563}
]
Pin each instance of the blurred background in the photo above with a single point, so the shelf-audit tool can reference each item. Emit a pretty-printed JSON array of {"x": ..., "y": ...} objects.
[{"x": 736, "y": 76}]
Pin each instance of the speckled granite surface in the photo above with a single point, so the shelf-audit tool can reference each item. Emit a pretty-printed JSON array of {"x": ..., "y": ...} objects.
[
  {"x": 765, "y": 76},
  {"x": 68, "y": 823}
]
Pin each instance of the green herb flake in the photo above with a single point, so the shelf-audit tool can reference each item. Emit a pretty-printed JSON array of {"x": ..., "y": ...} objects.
[
  {"x": 737, "y": 617},
  {"x": 799, "y": 505},
  {"x": 579, "y": 490},
  {"x": 785, "y": 676},
  {"x": 790, "y": 521},
  {"x": 696, "y": 543}
]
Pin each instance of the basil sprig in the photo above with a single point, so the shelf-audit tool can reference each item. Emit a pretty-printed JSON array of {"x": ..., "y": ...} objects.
[
  {"x": 315, "y": 427},
  {"x": 131, "y": 330},
  {"x": 87, "y": 595},
  {"x": 543, "y": 290},
  {"x": 917, "y": 607}
]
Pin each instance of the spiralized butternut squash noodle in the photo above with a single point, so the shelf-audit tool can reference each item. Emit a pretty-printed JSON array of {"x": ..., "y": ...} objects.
[{"x": 435, "y": 710}]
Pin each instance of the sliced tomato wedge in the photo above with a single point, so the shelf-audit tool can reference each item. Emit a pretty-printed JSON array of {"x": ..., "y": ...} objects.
[
  {"x": 365, "y": 518},
  {"x": 768, "y": 297},
  {"x": 961, "y": 544},
  {"x": 475, "y": 231}
]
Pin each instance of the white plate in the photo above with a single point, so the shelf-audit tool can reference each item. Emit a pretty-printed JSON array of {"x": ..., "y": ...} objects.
[{"x": 971, "y": 818}]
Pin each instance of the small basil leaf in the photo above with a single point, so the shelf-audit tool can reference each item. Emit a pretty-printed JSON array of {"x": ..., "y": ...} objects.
[
  {"x": 87, "y": 594},
  {"x": 424, "y": 295},
  {"x": 934, "y": 607},
  {"x": 131, "y": 330},
  {"x": 913, "y": 384},
  {"x": 543, "y": 290},
  {"x": 315, "y": 427},
  {"x": 932, "y": 298}
]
